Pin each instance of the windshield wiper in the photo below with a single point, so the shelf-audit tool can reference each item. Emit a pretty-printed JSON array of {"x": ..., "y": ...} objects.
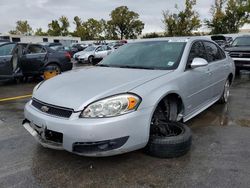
[
  {"x": 136, "y": 67},
  {"x": 102, "y": 65}
]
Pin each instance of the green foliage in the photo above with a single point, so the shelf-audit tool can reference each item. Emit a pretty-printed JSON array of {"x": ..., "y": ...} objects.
[
  {"x": 39, "y": 32},
  {"x": 183, "y": 22},
  {"x": 228, "y": 16},
  {"x": 92, "y": 29},
  {"x": 64, "y": 25},
  {"x": 54, "y": 28},
  {"x": 59, "y": 27},
  {"x": 151, "y": 35},
  {"x": 22, "y": 27},
  {"x": 125, "y": 23}
]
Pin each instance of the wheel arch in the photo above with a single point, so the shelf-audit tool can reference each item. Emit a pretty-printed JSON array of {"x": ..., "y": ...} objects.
[
  {"x": 173, "y": 95},
  {"x": 53, "y": 62}
]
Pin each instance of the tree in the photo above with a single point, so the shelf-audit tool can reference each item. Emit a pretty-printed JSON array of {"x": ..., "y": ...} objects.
[
  {"x": 182, "y": 23},
  {"x": 218, "y": 18},
  {"x": 64, "y": 25},
  {"x": 228, "y": 16},
  {"x": 92, "y": 29},
  {"x": 22, "y": 27},
  {"x": 125, "y": 23},
  {"x": 151, "y": 35},
  {"x": 39, "y": 32},
  {"x": 54, "y": 28},
  {"x": 59, "y": 27}
]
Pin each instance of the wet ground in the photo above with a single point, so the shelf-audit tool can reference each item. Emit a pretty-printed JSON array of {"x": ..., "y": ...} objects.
[{"x": 220, "y": 154}]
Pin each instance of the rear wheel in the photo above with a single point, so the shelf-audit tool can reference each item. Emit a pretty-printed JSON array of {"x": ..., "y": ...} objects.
[{"x": 226, "y": 92}]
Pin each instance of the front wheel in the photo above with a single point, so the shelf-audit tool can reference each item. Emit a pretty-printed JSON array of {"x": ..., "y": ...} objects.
[{"x": 226, "y": 92}]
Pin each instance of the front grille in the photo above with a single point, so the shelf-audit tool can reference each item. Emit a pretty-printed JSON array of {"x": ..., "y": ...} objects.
[
  {"x": 51, "y": 109},
  {"x": 240, "y": 54}
]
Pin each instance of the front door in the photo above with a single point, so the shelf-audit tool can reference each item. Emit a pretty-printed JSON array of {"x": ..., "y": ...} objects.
[
  {"x": 6, "y": 66},
  {"x": 34, "y": 58},
  {"x": 197, "y": 81}
]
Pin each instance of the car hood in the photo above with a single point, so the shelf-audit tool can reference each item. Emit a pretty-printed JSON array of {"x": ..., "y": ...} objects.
[
  {"x": 78, "y": 88},
  {"x": 83, "y": 53},
  {"x": 238, "y": 49}
]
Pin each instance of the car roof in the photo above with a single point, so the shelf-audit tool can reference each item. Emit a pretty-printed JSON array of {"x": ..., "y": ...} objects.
[
  {"x": 173, "y": 39},
  {"x": 2, "y": 43}
]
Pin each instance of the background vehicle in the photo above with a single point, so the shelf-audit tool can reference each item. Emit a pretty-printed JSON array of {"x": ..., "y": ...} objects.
[
  {"x": 222, "y": 41},
  {"x": 92, "y": 54},
  {"x": 240, "y": 53},
  {"x": 117, "y": 44},
  {"x": 22, "y": 59}
]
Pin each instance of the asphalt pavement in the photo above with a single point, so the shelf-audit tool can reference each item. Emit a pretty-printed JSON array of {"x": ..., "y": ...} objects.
[{"x": 219, "y": 157}]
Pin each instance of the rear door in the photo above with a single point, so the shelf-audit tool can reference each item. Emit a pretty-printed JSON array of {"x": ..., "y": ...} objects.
[
  {"x": 6, "y": 67},
  {"x": 34, "y": 59},
  {"x": 217, "y": 61}
]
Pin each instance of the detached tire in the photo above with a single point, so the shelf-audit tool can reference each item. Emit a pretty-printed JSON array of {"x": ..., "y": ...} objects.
[{"x": 171, "y": 146}]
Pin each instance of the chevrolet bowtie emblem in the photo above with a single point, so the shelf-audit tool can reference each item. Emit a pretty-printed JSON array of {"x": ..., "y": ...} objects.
[{"x": 44, "y": 109}]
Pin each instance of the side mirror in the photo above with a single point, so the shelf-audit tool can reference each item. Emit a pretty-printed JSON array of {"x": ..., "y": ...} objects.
[{"x": 198, "y": 62}]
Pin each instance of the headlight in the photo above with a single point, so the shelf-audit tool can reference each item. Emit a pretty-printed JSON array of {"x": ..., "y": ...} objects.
[
  {"x": 112, "y": 106},
  {"x": 37, "y": 86}
]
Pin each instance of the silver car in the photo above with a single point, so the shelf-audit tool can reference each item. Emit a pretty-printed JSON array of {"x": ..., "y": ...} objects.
[
  {"x": 91, "y": 53},
  {"x": 115, "y": 111}
]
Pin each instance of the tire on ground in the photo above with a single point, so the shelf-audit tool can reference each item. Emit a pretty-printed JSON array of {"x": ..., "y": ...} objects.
[{"x": 173, "y": 146}]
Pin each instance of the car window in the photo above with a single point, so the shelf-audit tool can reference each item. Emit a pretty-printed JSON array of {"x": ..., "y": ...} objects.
[
  {"x": 105, "y": 48},
  {"x": 241, "y": 41},
  {"x": 197, "y": 50},
  {"x": 34, "y": 49},
  {"x": 6, "y": 49},
  {"x": 213, "y": 52},
  {"x": 99, "y": 49}
]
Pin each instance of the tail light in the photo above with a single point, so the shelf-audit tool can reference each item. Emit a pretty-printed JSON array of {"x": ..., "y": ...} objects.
[{"x": 67, "y": 55}]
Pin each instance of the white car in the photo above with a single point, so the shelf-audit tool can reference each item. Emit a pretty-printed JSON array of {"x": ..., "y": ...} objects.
[
  {"x": 123, "y": 100},
  {"x": 91, "y": 53}
]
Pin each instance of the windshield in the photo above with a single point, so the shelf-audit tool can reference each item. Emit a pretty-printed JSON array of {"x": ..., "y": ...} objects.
[
  {"x": 148, "y": 55},
  {"x": 90, "y": 48},
  {"x": 241, "y": 41}
]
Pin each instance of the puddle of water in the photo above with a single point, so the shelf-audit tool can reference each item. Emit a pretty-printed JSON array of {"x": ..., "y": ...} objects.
[{"x": 243, "y": 122}]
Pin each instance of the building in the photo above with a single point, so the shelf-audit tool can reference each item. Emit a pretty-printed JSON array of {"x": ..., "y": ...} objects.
[{"x": 65, "y": 40}]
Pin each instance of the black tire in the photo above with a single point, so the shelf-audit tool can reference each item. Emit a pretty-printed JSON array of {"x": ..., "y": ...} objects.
[
  {"x": 91, "y": 59},
  {"x": 170, "y": 146},
  {"x": 225, "y": 94}
]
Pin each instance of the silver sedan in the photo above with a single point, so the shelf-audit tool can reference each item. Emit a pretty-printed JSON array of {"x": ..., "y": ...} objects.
[{"x": 113, "y": 111}]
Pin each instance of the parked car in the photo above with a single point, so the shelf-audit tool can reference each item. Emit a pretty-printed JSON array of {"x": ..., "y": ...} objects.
[
  {"x": 128, "y": 94},
  {"x": 79, "y": 46},
  {"x": 240, "y": 53},
  {"x": 92, "y": 53},
  {"x": 222, "y": 41},
  {"x": 51, "y": 44},
  {"x": 117, "y": 44},
  {"x": 20, "y": 59},
  {"x": 70, "y": 50}
]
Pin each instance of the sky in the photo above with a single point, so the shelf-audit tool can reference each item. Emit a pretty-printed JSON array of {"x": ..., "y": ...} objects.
[{"x": 40, "y": 12}]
